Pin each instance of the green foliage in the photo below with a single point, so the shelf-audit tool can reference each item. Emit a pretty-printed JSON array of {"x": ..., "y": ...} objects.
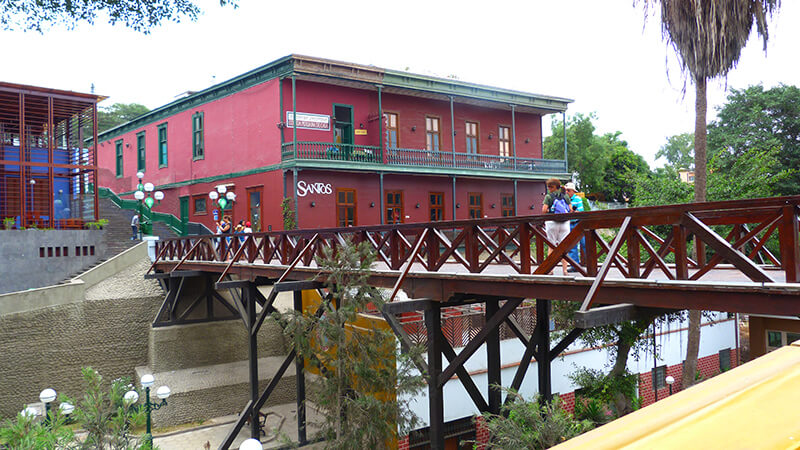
[
  {"x": 29, "y": 432},
  {"x": 117, "y": 114},
  {"x": 289, "y": 218},
  {"x": 532, "y": 424},
  {"x": 102, "y": 413},
  {"x": 678, "y": 151},
  {"x": 758, "y": 122},
  {"x": 661, "y": 187},
  {"x": 601, "y": 393},
  {"x": 603, "y": 163},
  {"x": 37, "y": 15},
  {"x": 622, "y": 170},
  {"x": 97, "y": 225},
  {"x": 106, "y": 417},
  {"x": 9, "y": 222},
  {"x": 365, "y": 385}
]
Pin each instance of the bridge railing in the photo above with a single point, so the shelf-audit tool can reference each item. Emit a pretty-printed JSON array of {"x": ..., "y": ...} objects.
[{"x": 758, "y": 238}]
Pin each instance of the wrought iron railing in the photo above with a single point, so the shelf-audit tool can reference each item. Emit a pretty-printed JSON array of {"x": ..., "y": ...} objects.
[{"x": 418, "y": 158}]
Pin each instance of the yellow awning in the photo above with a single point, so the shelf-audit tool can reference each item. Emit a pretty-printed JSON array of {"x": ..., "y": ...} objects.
[{"x": 754, "y": 406}]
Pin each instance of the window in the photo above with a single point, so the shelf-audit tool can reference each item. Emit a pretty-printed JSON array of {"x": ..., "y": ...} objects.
[
  {"x": 118, "y": 145},
  {"x": 507, "y": 205},
  {"x": 659, "y": 377},
  {"x": 725, "y": 359},
  {"x": 198, "y": 143},
  {"x": 436, "y": 206},
  {"x": 390, "y": 119},
  {"x": 345, "y": 207},
  {"x": 475, "y": 205},
  {"x": 162, "y": 145},
  {"x": 200, "y": 206},
  {"x": 504, "y": 136},
  {"x": 432, "y": 127},
  {"x": 394, "y": 207},
  {"x": 140, "y": 151},
  {"x": 777, "y": 339},
  {"x": 472, "y": 137}
]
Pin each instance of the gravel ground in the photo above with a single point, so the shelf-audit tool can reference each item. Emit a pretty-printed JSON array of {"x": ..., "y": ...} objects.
[{"x": 129, "y": 283}]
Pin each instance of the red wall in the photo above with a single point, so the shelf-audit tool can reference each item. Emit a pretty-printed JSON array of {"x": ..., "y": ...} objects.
[{"x": 240, "y": 134}]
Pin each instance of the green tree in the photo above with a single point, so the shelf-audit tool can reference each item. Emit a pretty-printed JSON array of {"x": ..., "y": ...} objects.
[
  {"x": 622, "y": 170},
  {"x": 366, "y": 385},
  {"x": 678, "y": 151},
  {"x": 708, "y": 38},
  {"x": 661, "y": 187},
  {"x": 139, "y": 15},
  {"x": 27, "y": 432},
  {"x": 755, "y": 122},
  {"x": 117, "y": 114},
  {"x": 587, "y": 153}
]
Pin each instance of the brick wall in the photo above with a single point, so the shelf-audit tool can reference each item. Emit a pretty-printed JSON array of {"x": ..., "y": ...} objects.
[
  {"x": 481, "y": 433},
  {"x": 707, "y": 366}
]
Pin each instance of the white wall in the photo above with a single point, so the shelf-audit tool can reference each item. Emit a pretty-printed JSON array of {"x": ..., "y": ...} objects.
[{"x": 671, "y": 340}]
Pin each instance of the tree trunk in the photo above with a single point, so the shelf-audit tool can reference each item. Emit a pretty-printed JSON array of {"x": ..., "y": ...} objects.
[
  {"x": 693, "y": 341},
  {"x": 622, "y": 404}
]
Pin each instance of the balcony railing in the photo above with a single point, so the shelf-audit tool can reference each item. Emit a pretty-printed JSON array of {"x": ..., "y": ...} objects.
[{"x": 418, "y": 158}]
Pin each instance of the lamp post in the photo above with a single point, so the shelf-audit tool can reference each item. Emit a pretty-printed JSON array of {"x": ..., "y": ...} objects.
[
  {"x": 47, "y": 396},
  {"x": 670, "y": 381},
  {"x": 145, "y": 195},
  {"x": 162, "y": 393},
  {"x": 222, "y": 197}
]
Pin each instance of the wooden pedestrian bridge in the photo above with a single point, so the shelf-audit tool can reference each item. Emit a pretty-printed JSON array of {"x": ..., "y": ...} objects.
[{"x": 735, "y": 256}]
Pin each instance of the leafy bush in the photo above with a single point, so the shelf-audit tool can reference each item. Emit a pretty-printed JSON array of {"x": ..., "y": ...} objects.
[
  {"x": 602, "y": 391},
  {"x": 530, "y": 424}
]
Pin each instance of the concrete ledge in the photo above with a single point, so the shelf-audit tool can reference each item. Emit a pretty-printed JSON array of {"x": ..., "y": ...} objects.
[
  {"x": 217, "y": 390},
  {"x": 114, "y": 265},
  {"x": 32, "y": 299}
]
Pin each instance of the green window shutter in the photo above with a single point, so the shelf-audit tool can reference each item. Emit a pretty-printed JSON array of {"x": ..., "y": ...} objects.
[
  {"x": 162, "y": 145},
  {"x": 118, "y": 145},
  {"x": 198, "y": 145},
  {"x": 140, "y": 151}
]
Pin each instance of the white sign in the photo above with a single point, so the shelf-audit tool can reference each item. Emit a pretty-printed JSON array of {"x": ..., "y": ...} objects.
[
  {"x": 304, "y": 188},
  {"x": 308, "y": 121}
]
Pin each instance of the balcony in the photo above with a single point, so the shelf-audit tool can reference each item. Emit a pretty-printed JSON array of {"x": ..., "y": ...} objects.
[{"x": 405, "y": 157}]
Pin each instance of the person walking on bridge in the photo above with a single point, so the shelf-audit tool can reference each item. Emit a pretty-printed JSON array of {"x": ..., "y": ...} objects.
[{"x": 556, "y": 202}]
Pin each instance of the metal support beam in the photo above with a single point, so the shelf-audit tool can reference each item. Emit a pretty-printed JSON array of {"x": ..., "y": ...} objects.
[
  {"x": 493, "y": 358},
  {"x": 300, "y": 381},
  {"x": 542, "y": 337},
  {"x": 250, "y": 299},
  {"x": 433, "y": 323}
]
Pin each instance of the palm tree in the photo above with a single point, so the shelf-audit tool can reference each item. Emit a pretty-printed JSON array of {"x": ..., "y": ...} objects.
[{"x": 708, "y": 36}]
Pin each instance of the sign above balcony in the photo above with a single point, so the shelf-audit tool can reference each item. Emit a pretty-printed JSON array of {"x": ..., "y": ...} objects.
[{"x": 308, "y": 121}]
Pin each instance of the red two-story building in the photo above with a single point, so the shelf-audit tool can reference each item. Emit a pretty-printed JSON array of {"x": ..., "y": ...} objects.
[{"x": 348, "y": 144}]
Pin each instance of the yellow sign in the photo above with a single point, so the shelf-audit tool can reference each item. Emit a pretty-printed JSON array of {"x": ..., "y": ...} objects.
[{"x": 360, "y": 132}]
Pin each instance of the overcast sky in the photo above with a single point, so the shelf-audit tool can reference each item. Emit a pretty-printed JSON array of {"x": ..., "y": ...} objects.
[{"x": 599, "y": 53}]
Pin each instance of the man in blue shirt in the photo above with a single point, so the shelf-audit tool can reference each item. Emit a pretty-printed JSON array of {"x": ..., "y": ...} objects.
[{"x": 576, "y": 203}]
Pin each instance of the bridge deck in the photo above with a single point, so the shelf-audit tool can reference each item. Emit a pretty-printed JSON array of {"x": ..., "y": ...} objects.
[{"x": 636, "y": 255}]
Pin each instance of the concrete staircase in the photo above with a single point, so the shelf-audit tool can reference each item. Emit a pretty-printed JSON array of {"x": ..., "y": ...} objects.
[{"x": 117, "y": 236}]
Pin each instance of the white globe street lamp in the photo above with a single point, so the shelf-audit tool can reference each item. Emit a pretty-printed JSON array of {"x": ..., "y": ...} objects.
[{"x": 251, "y": 444}]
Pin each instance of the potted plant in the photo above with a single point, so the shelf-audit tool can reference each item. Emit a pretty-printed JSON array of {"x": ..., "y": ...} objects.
[{"x": 9, "y": 222}]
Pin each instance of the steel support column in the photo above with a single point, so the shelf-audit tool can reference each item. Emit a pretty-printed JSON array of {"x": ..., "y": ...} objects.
[
  {"x": 250, "y": 300},
  {"x": 433, "y": 323},
  {"x": 542, "y": 337},
  {"x": 300, "y": 381},
  {"x": 493, "y": 358}
]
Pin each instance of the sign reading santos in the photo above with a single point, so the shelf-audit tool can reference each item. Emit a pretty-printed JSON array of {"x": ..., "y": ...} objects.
[{"x": 304, "y": 188}]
